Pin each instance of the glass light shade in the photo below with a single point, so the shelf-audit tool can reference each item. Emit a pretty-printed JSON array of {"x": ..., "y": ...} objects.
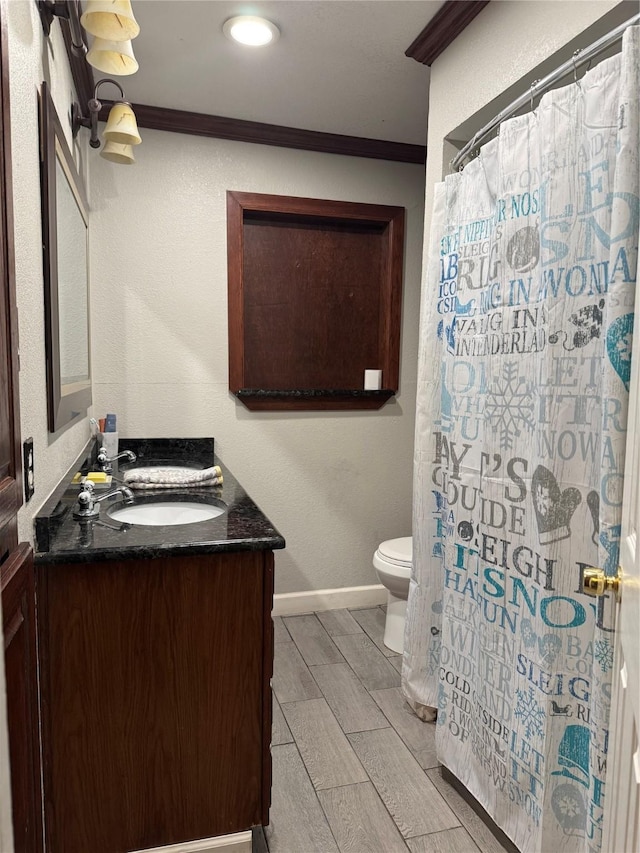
[
  {"x": 250, "y": 30},
  {"x": 122, "y": 126},
  {"x": 116, "y": 152},
  {"x": 112, "y": 57},
  {"x": 110, "y": 19}
]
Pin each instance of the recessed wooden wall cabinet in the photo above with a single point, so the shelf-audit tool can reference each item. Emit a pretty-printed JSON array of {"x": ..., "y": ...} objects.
[{"x": 315, "y": 293}]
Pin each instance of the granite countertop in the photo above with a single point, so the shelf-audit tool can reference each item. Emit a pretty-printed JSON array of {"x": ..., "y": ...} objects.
[{"x": 60, "y": 538}]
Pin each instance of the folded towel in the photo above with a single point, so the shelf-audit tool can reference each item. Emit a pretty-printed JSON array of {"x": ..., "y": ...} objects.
[
  {"x": 172, "y": 478},
  {"x": 191, "y": 486}
]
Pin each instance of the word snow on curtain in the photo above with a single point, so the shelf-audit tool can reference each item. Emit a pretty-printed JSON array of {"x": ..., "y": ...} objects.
[{"x": 525, "y": 356}]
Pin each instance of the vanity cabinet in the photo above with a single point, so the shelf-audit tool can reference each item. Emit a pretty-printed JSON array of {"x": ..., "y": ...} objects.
[{"x": 156, "y": 698}]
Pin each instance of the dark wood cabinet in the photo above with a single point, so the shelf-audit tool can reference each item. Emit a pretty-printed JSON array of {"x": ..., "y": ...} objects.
[
  {"x": 18, "y": 623},
  {"x": 156, "y": 699}
]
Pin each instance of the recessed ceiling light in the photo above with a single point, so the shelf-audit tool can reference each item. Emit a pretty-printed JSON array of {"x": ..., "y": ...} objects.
[{"x": 248, "y": 29}]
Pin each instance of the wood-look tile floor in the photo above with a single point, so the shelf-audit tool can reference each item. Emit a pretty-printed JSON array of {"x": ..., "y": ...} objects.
[{"x": 354, "y": 770}]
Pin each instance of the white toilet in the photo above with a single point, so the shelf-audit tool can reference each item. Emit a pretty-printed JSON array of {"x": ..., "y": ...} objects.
[{"x": 392, "y": 562}]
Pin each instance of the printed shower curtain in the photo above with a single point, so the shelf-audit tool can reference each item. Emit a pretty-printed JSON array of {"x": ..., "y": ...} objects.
[{"x": 526, "y": 325}]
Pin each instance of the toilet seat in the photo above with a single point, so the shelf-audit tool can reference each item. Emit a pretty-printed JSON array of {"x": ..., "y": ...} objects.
[{"x": 397, "y": 552}]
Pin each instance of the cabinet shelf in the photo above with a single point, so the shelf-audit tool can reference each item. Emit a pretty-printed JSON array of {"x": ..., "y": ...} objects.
[{"x": 328, "y": 399}]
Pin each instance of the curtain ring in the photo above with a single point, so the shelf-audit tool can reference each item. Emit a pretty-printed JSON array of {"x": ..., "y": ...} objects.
[
  {"x": 532, "y": 91},
  {"x": 574, "y": 58}
]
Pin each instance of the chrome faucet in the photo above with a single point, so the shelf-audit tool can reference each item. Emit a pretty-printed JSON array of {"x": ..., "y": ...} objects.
[
  {"x": 87, "y": 501},
  {"x": 104, "y": 461}
]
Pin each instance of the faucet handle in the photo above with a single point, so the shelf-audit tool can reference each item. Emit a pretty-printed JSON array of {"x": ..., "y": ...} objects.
[
  {"x": 85, "y": 500},
  {"x": 103, "y": 461}
]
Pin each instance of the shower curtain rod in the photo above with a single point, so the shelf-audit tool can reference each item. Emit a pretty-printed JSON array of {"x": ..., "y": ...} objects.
[{"x": 539, "y": 86}]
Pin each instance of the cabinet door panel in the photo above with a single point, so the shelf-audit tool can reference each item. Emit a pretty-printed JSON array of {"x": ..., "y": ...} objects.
[
  {"x": 18, "y": 618},
  {"x": 152, "y": 681}
]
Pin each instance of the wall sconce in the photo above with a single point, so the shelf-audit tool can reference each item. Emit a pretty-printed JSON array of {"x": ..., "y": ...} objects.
[
  {"x": 121, "y": 129},
  {"x": 118, "y": 153},
  {"x": 112, "y": 57},
  {"x": 112, "y": 25},
  {"x": 110, "y": 22},
  {"x": 49, "y": 9}
]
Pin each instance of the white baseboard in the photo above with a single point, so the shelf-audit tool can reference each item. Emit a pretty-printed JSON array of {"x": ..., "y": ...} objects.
[
  {"x": 290, "y": 603},
  {"x": 239, "y": 842}
]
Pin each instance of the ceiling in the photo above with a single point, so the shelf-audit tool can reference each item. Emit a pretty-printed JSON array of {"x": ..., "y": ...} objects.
[{"x": 339, "y": 66}]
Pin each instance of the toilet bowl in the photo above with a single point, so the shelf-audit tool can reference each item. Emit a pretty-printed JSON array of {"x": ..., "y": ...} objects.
[{"x": 392, "y": 562}]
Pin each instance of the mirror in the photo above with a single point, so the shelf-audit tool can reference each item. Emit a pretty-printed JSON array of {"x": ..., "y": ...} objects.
[{"x": 66, "y": 272}]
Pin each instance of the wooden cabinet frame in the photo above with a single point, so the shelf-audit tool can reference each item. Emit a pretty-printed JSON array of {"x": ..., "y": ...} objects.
[{"x": 308, "y": 348}]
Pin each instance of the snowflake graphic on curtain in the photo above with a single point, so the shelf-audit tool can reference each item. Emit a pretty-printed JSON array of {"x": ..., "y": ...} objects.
[
  {"x": 530, "y": 712},
  {"x": 603, "y": 653},
  {"x": 509, "y": 405},
  {"x": 569, "y": 806}
]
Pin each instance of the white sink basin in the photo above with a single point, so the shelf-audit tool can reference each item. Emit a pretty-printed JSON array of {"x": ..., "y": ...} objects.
[{"x": 165, "y": 513}]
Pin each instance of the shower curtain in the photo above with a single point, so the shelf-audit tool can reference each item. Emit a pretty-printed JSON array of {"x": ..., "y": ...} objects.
[{"x": 526, "y": 326}]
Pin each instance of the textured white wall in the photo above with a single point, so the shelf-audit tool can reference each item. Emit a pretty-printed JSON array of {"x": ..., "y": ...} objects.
[
  {"x": 334, "y": 484},
  {"x": 32, "y": 59}
]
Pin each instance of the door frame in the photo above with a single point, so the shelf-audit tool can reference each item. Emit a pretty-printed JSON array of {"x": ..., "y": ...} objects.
[{"x": 10, "y": 486}]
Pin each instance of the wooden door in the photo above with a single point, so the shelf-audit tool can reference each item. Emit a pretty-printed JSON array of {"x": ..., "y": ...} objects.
[
  {"x": 22, "y": 750},
  {"x": 10, "y": 457},
  {"x": 622, "y": 801}
]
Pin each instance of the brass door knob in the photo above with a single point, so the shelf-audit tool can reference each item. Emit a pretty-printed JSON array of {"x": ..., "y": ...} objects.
[{"x": 595, "y": 582}]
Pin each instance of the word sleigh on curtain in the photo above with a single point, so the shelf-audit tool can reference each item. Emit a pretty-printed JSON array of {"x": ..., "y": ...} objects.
[{"x": 525, "y": 357}]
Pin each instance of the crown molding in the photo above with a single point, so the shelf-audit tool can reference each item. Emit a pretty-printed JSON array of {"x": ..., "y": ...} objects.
[
  {"x": 443, "y": 28},
  {"x": 238, "y": 130}
]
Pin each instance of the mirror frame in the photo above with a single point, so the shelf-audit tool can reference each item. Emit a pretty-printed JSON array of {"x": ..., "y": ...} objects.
[{"x": 64, "y": 401}]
